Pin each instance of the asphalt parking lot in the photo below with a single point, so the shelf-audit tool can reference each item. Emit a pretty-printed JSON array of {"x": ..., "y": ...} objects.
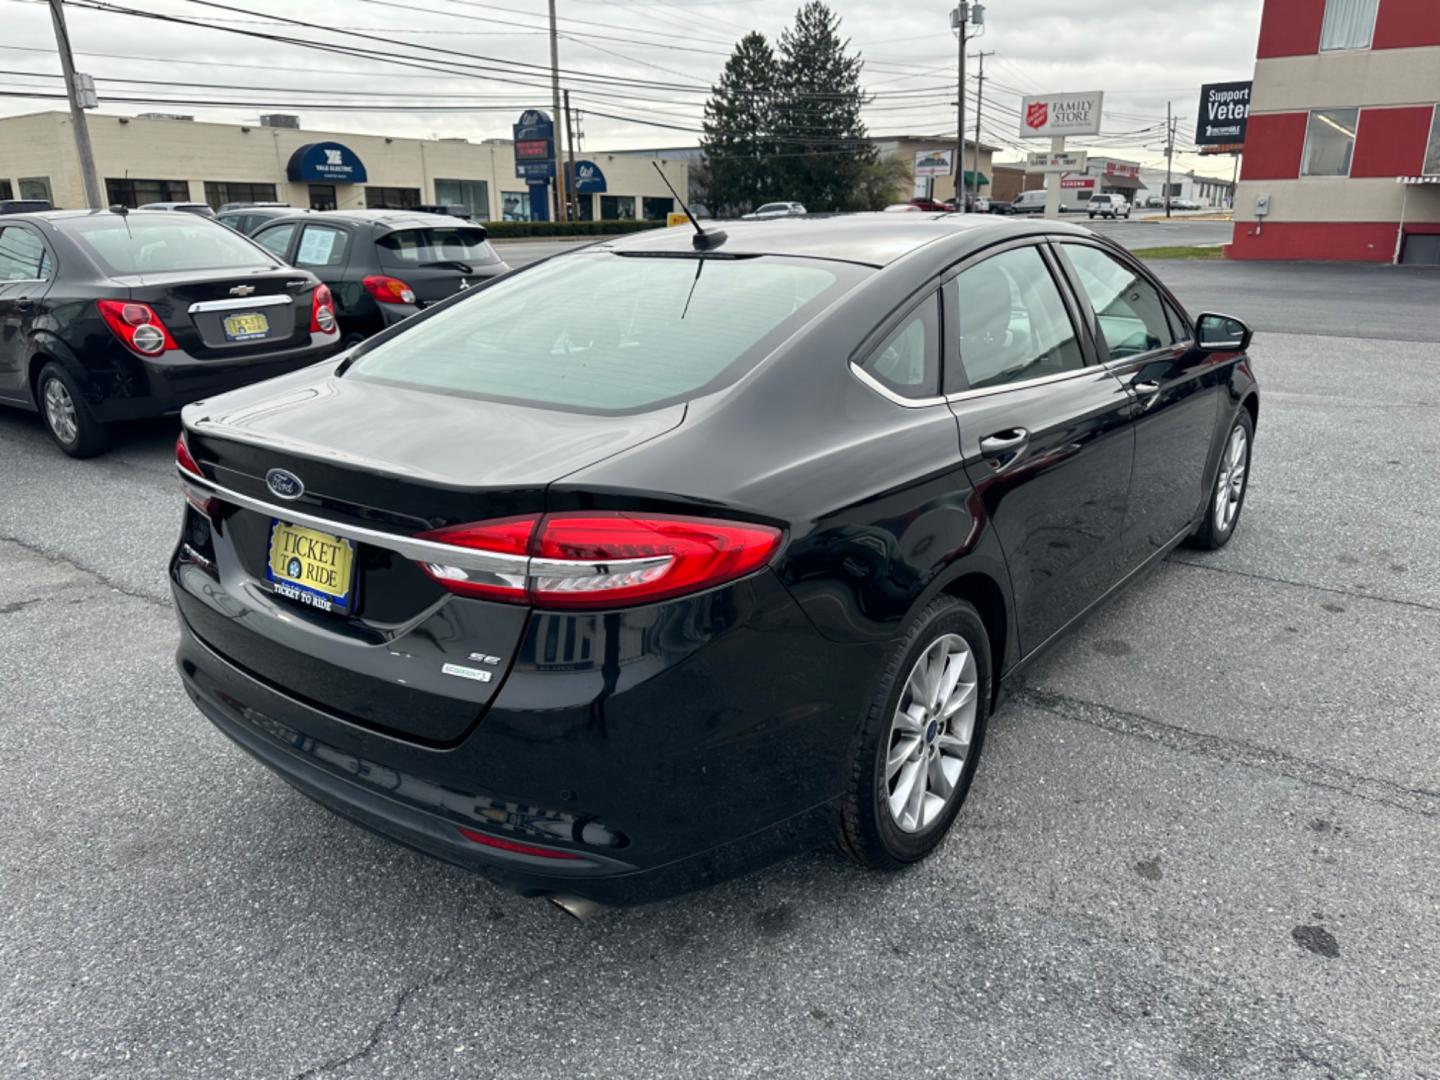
[{"x": 1204, "y": 840}]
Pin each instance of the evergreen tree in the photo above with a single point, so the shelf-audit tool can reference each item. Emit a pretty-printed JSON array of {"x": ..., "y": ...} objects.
[
  {"x": 739, "y": 129},
  {"x": 820, "y": 140}
]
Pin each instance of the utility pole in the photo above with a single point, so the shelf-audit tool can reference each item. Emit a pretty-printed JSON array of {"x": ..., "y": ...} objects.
[
  {"x": 560, "y": 202},
  {"x": 1169, "y": 154},
  {"x": 958, "y": 18},
  {"x": 570, "y": 145},
  {"x": 979, "y": 105},
  {"x": 77, "y": 111}
]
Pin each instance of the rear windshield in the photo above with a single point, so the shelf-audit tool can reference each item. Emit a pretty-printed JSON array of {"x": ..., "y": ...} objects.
[
  {"x": 600, "y": 332},
  {"x": 442, "y": 244},
  {"x": 153, "y": 242}
]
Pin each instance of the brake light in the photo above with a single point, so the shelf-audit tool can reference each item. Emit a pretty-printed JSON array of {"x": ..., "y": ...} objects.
[
  {"x": 388, "y": 290},
  {"x": 322, "y": 310},
  {"x": 137, "y": 326},
  {"x": 186, "y": 463},
  {"x": 601, "y": 559}
]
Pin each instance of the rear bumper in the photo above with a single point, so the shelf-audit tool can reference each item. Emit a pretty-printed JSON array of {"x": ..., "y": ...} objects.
[
  {"x": 175, "y": 378},
  {"x": 427, "y": 816}
]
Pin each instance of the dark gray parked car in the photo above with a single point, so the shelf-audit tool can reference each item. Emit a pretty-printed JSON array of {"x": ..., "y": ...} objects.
[{"x": 383, "y": 265}]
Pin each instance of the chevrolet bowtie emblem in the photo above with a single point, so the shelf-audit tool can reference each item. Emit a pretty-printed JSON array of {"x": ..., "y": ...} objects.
[{"x": 242, "y": 290}]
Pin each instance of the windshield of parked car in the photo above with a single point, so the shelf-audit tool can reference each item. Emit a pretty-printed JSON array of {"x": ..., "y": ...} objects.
[
  {"x": 601, "y": 332},
  {"x": 416, "y": 247},
  {"x": 161, "y": 242}
]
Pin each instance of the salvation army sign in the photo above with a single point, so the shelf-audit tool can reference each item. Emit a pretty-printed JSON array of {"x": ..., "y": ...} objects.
[
  {"x": 1061, "y": 114},
  {"x": 1224, "y": 113}
]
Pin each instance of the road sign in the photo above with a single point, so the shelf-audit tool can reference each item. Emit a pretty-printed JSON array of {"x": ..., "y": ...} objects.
[
  {"x": 1061, "y": 114},
  {"x": 1063, "y": 162},
  {"x": 934, "y": 162},
  {"x": 1224, "y": 113}
]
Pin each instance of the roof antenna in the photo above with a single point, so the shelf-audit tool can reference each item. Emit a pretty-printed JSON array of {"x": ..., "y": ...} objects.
[{"x": 703, "y": 240}]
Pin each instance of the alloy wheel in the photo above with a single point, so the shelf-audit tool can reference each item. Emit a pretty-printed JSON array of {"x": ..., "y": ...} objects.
[
  {"x": 930, "y": 734},
  {"x": 1230, "y": 484},
  {"x": 60, "y": 411}
]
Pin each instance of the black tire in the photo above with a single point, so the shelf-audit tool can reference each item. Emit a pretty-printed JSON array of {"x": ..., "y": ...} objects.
[
  {"x": 1214, "y": 533},
  {"x": 85, "y": 436},
  {"x": 1092, "y": 217},
  {"x": 869, "y": 833}
]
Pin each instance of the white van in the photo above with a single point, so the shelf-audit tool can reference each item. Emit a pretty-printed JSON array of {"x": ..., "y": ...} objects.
[{"x": 1029, "y": 202}]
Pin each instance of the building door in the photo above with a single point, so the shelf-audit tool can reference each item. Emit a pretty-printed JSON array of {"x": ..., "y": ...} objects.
[{"x": 322, "y": 197}]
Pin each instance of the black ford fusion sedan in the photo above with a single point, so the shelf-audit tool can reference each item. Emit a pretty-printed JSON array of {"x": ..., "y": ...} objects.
[
  {"x": 108, "y": 316},
  {"x": 656, "y": 561}
]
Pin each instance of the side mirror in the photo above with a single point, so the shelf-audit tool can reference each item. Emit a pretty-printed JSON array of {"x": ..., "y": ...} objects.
[{"x": 1221, "y": 333}]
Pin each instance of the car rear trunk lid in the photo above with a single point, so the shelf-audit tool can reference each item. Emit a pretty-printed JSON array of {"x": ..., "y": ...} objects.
[
  {"x": 372, "y": 462},
  {"x": 229, "y": 315}
]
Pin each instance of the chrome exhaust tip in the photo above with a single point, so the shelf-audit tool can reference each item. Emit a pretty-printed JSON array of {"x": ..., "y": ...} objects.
[{"x": 580, "y": 908}]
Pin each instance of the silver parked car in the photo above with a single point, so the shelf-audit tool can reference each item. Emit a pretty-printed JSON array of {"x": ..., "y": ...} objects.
[{"x": 775, "y": 210}]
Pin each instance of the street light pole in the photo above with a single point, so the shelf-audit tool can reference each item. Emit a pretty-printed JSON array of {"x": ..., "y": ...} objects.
[
  {"x": 958, "y": 18},
  {"x": 77, "y": 111},
  {"x": 560, "y": 200}
]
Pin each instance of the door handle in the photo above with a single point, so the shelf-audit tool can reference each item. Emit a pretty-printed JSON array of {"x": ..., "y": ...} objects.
[
  {"x": 1004, "y": 441},
  {"x": 1146, "y": 389},
  {"x": 23, "y": 303}
]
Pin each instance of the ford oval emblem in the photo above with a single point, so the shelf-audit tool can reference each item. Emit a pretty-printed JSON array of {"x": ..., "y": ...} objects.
[{"x": 284, "y": 483}]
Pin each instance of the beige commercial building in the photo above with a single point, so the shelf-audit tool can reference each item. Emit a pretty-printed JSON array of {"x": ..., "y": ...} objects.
[
  {"x": 929, "y": 152},
  {"x": 141, "y": 160}
]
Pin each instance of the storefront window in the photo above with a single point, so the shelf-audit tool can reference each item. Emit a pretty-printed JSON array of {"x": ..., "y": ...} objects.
[
  {"x": 474, "y": 195},
  {"x": 35, "y": 187},
  {"x": 1432, "y": 155},
  {"x": 392, "y": 198},
  {"x": 6, "y": 191},
  {"x": 617, "y": 207},
  {"x": 1348, "y": 24},
  {"x": 133, "y": 193},
  {"x": 1329, "y": 141},
  {"x": 322, "y": 197},
  {"x": 514, "y": 206},
  {"x": 655, "y": 209},
  {"x": 220, "y": 192}
]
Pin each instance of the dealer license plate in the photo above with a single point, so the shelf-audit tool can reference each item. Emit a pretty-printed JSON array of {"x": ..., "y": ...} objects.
[
  {"x": 246, "y": 327},
  {"x": 312, "y": 567}
]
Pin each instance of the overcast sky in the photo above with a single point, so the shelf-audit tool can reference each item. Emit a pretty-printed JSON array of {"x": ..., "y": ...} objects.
[{"x": 1141, "y": 55}]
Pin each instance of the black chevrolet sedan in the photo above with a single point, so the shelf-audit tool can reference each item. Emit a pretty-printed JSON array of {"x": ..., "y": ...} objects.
[
  {"x": 108, "y": 316},
  {"x": 656, "y": 561},
  {"x": 383, "y": 265}
]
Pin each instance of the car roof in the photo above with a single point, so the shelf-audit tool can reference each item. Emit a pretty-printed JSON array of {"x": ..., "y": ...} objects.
[
  {"x": 873, "y": 239},
  {"x": 392, "y": 219}
]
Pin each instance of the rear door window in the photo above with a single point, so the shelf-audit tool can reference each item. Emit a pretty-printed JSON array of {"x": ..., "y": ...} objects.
[
  {"x": 322, "y": 247},
  {"x": 435, "y": 246},
  {"x": 277, "y": 239},
  {"x": 601, "y": 332},
  {"x": 163, "y": 243},
  {"x": 1127, "y": 307},
  {"x": 1013, "y": 324},
  {"x": 22, "y": 255}
]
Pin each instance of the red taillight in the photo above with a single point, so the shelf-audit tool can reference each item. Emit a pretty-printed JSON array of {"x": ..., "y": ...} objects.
[
  {"x": 322, "y": 311},
  {"x": 602, "y": 559},
  {"x": 388, "y": 290},
  {"x": 510, "y": 845},
  {"x": 186, "y": 463},
  {"x": 137, "y": 326}
]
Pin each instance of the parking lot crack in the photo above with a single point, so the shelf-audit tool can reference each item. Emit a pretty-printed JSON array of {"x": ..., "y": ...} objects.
[
  {"x": 378, "y": 1029},
  {"x": 113, "y": 586},
  {"x": 1420, "y": 605},
  {"x": 1413, "y": 800}
]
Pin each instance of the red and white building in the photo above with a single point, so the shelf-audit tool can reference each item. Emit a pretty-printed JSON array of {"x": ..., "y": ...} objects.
[{"x": 1344, "y": 133}]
